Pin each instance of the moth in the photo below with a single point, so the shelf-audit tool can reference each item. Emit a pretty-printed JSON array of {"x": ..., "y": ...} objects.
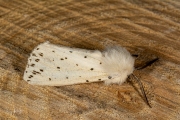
[{"x": 54, "y": 65}]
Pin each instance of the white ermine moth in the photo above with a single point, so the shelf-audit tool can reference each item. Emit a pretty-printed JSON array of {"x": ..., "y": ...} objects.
[{"x": 54, "y": 65}]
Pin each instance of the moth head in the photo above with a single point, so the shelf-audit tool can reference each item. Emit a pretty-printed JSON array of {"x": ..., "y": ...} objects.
[{"x": 118, "y": 63}]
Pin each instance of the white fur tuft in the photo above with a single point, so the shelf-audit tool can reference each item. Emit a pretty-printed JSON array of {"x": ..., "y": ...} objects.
[{"x": 118, "y": 63}]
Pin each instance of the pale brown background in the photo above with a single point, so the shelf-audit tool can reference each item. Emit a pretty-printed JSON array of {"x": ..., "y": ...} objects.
[{"x": 143, "y": 27}]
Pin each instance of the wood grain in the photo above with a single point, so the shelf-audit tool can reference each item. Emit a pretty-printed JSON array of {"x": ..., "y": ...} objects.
[{"x": 146, "y": 28}]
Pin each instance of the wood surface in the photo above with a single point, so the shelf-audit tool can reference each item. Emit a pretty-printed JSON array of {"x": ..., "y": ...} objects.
[{"x": 147, "y": 28}]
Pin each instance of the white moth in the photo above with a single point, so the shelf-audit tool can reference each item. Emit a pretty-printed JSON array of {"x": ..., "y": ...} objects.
[{"x": 54, "y": 65}]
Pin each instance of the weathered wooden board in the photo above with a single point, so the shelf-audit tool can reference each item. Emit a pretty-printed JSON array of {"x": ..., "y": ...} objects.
[{"x": 144, "y": 27}]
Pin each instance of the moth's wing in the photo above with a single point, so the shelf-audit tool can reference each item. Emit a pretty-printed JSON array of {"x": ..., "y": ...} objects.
[{"x": 54, "y": 65}]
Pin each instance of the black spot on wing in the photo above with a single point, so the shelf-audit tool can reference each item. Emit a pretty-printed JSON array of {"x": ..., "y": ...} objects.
[
  {"x": 87, "y": 80},
  {"x": 85, "y": 56},
  {"x": 70, "y": 51},
  {"x": 65, "y": 57},
  {"x": 41, "y": 70},
  {"x": 37, "y": 60},
  {"x": 109, "y": 77},
  {"x": 34, "y": 72},
  {"x": 37, "y": 48},
  {"x": 41, "y": 54},
  {"x": 49, "y": 79},
  {"x": 92, "y": 69},
  {"x": 30, "y": 76},
  {"x": 62, "y": 59},
  {"x": 99, "y": 79},
  {"x": 58, "y": 67},
  {"x": 32, "y": 65},
  {"x": 38, "y": 72}
]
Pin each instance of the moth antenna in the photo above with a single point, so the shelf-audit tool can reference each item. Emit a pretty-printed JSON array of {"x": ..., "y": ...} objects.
[
  {"x": 147, "y": 64},
  {"x": 142, "y": 90}
]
